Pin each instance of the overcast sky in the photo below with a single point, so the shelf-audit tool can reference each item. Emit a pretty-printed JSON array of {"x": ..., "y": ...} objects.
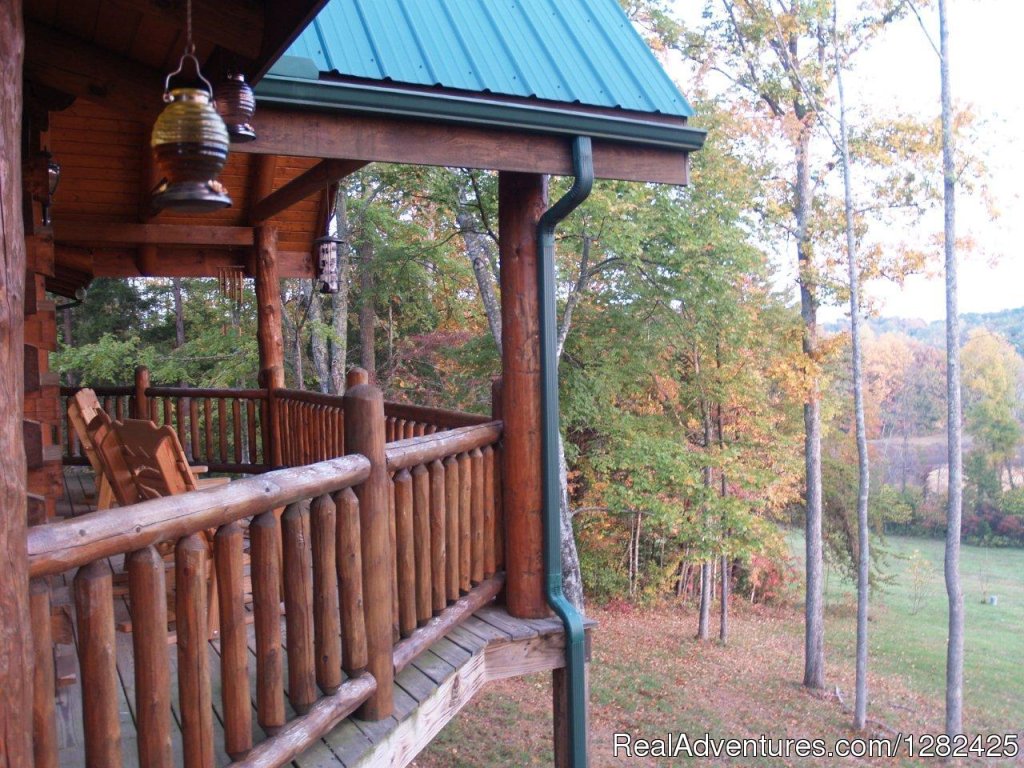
[{"x": 901, "y": 71}]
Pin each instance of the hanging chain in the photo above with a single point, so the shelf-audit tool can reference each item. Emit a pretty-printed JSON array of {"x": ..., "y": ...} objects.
[{"x": 190, "y": 47}]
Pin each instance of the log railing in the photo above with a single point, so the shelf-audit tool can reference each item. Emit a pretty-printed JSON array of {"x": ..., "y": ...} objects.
[
  {"x": 376, "y": 555},
  {"x": 249, "y": 431}
]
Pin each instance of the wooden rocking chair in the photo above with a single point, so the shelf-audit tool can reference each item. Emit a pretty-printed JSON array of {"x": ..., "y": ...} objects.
[{"x": 143, "y": 461}]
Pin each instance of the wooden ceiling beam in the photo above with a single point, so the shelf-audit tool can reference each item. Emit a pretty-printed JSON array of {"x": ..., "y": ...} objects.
[
  {"x": 170, "y": 262},
  {"x": 317, "y": 178},
  {"x": 131, "y": 234},
  {"x": 381, "y": 139},
  {"x": 70, "y": 65},
  {"x": 236, "y": 25}
]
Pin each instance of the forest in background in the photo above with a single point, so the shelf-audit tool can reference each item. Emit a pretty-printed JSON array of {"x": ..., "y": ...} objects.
[{"x": 682, "y": 374}]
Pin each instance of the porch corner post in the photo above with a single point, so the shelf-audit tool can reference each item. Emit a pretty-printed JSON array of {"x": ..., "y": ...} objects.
[
  {"x": 16, "y": 666},
  {"x": 268, "y": 309},
  {"x": 522, "y": 198},
  {"x": 364, "y": 434}
]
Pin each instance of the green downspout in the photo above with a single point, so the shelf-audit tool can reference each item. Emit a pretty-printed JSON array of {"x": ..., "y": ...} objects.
[{"x": 583, "y": 169}]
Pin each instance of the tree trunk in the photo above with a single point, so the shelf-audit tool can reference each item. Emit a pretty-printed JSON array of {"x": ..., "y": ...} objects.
[
  {"x": 572, "y": 579},
  {"x": 15, "y": 644},
  {"x": 367, "y": 311},
  {"x": 955, "y": 646},
  {"x": 723, "y": 609},
  {"x": 339, "y": 300},
  {"x": 705, "y": 601},
  {"x": 179, "y": 313},
  {"x": 814, "y": 608},
  {"x": 479, "y": 249},
  {"x": 863, "y": 533},
  {"x": 317, "y": 340}
]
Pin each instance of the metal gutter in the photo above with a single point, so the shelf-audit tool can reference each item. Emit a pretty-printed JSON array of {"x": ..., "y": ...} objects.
[
  {"x": 305, "y": 93},
  {"x": 575, "y": 650}
]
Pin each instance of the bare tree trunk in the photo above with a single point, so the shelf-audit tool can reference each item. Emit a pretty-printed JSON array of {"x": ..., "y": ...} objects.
[
  {"x": 317, "y": 341},
  {"x": 572, "y": 579},
  {"x": 863, "y": 533},
  {"x": 339, "y": 300},
  {"x": 814, "y": 607},
  {"x": 705, "y": 601},
  {"x": 480, "y": 250},
  {"x": 723, "y": 609},
  {"x": 367, "y": 311},
  {"x": 179, "y": 313},
  {"x": 955, "y": 646}
]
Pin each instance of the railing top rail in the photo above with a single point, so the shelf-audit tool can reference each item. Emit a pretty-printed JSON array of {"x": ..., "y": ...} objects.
[
  {"x": 403, "y": 454},
  {"x": 441, "y": 416},
  {"x": 316, "y": 398},
  {"x": 56, "y": 547},
  {"x": 118, "y": 390},
  {"x": 248, "y": 394}
]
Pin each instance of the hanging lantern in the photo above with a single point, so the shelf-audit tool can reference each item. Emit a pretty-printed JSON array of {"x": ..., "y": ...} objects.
[
  {"x": 325, "y": 249},
  {"x": 190, "y": 143},
  {"x": 236, "y": 103}
]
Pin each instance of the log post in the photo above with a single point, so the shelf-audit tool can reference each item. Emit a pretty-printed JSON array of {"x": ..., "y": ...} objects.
[
  {"x": 268, "y": 313},
  {"x": 521, "y": 201},
  {"x": 141, "y": 399},
  {"x": 234, "y": 657},
  {"x": 15, "y": 641},
  {"x": 364, "y": 416},
  {"x": 190, "y": 614},
  {"x": 44, "y": 718}
]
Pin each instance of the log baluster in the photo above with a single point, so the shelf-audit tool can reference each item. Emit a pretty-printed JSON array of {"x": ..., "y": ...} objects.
[
  {"x": 421, "y": 534},
  {"x": 236, "y": 423},
  {"x": 405, "y": 560},
  {"x": 476, "y": 524},
  {"x": 193, "y": 424},
  {"x": 97, "y": 658},
  {"x": 265, "y": 537},
  {"x": 465, "y": 521},
  {"x": 179, "y": 417},
  {"x": 208, "y": 427},
  {"x": 438, "y": 537},
  {"x": 222, "y": 428},
  {"x": 250, "y": 412},
  {"x": 147, "y": 590},
  {"x": 44, "y": 719},
  {"x": 488, "y": 503},
  {"x": 234, "y": 651},
  {"x": 326, "y": 606},
  {"x": 141, "y": 399},
  {"x": 350, "y": 581},
  {"x": 298, "y": 606},
  {"x": 167, "y": 411},
  {"x": 194, "y": 698},
  {"x": 451, "y": 508}
]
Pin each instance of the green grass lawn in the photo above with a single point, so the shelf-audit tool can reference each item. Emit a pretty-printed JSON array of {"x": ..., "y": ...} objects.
[{"x": 907, "y": 627}]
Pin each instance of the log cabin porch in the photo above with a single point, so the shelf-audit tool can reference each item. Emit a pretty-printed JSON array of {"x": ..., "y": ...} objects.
[{"x": 379, "y": 560}]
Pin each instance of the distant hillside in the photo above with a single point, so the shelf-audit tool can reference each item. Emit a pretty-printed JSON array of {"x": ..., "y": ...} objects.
[{"x": 1008, "y": 323}]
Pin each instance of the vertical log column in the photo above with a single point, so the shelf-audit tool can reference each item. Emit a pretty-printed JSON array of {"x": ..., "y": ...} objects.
[
  {"x": 268, "y": 328},
  {"x": 141, "y": 399},
  {"x": 521, "y": 200},
  {"x": 15, "y": 642},
  {"x": 364, "y": 425}
]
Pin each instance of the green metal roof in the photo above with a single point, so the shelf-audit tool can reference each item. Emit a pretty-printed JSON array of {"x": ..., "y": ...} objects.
[{"x": 581, "y": 52}]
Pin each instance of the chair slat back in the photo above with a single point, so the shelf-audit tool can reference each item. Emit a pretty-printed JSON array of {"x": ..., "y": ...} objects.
[
  {"x": 154, "y": 457},
  {"x": 110, "y": 458},
  {"x": 83, "y": 406}
]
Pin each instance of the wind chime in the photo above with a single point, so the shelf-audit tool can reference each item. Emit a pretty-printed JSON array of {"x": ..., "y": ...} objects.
[
  {"x": 190, "y": 141},
  {"x": 230, "y": 280}
]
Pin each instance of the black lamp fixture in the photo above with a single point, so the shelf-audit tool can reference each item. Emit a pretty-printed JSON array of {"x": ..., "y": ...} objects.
[
  {"x": 325, "y": 251},
  {"x": 190, "y": 142}
]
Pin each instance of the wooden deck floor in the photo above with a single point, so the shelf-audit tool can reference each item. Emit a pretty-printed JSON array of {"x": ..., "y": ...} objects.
[{"x": 491, "y": 645}]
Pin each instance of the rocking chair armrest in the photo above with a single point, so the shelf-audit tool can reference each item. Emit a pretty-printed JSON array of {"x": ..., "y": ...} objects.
[
  {"x": 211, "y": 482},
  {"x": 198, "y": 469}
]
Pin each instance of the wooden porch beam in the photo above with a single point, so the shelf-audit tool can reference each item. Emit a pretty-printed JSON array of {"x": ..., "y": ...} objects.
[
  {"x": 236, "y": 25},
  {"x": 381, "y": 139},
  {"x": 319, "y": 177},
  {"x": 122, "y": 233},
  {"x": 69, "y": 64},
  {"x": 171, "y": 262}
]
